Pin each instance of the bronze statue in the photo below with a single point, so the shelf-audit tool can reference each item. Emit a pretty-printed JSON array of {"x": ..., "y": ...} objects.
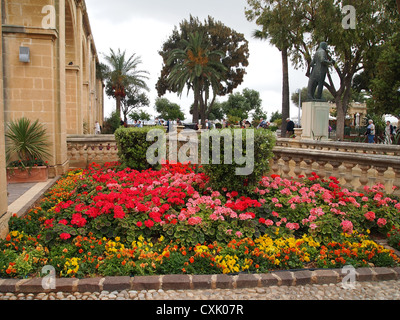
[{"x": 319, "y": 69}]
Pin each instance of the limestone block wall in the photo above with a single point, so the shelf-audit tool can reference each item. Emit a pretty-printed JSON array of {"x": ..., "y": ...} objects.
[
  {"x": 58, "y": 85},
  {"x": 4, "y": 216}
]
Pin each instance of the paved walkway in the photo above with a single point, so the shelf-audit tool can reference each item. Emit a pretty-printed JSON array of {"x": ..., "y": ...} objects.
[
  {"x": 22, "y": 196},
  {"x": 383, "y": 290}
]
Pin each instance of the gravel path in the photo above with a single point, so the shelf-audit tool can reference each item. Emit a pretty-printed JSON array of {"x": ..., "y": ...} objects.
[{"x": 383, "y": 290}]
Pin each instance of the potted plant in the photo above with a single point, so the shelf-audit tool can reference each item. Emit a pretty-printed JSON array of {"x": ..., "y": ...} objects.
[{"x": 26, "y": 151}]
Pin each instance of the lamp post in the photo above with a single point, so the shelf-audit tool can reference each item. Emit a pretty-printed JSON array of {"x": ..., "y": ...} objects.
[{"x": 299, "y": 121}]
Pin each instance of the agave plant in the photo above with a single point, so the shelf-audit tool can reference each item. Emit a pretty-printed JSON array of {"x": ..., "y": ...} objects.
[{"x": 26, "y": 142}]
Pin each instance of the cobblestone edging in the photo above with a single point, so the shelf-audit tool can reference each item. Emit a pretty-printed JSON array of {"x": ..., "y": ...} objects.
[{"x": 199, "y": 282}]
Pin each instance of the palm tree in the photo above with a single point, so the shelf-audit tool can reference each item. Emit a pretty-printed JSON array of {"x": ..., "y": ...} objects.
[
  {"x": 281, "y": 25},
  {"x": 122, "y": 73},
  {"x": 198, "y": 68}
]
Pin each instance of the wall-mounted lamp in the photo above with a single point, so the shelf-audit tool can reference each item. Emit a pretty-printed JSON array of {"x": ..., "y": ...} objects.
[{"x": 24, "y": 54}]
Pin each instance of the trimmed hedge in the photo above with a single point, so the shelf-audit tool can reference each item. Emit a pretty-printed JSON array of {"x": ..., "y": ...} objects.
[
  {"x": 133, "y": 145},
  {"x": 227, "y": 176}
]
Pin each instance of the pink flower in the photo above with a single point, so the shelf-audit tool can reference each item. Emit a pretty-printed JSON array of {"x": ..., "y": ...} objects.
[
  {"x": 275, "y": 214},
  {"x": 313, "y": 226},
  {"x": 381, "y": 222},
  {"x": 292, "y": 226},
  {"x": 269, "y": 222},
  {"x": 182, "y": 217},
  {"x": 347, "y": 226},
  {"x": 65, "y": 236},
  {"x": 370, "y": 216},
  {"x": 194, "y": 220},
  {"x": 239, "y": 234}
]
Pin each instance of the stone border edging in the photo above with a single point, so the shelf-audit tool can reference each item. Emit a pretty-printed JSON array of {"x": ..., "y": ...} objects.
[{"x": 198, "y": 282}]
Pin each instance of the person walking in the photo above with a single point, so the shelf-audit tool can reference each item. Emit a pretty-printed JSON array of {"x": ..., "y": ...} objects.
[
  {"x": 289, "y": 128},
  {"x": 371, "y": 131},
  {"x": 389, "y": 132},
  {"x": 97, "y": 129}
]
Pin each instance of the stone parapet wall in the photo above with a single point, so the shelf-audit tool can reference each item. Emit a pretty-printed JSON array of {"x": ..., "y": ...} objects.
[
  {"x": 355, "y": 164},
  {"x": 86, "y": 149}
]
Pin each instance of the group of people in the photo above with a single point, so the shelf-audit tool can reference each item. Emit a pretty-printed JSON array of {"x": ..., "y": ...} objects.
[{"x": 390, "y": 132}]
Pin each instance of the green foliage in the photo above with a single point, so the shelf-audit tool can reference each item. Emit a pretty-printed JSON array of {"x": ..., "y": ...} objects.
[
  {"x": 386, "y": 83},
  {"x": 168, "y": 110},
  {"x": 133, "y": 146},
  {"x": 219, "y": 40},
  {"x": 225, "y": 175},
  {"x": 140, "y": 115},
  {"x": 121, "y": 73},
  {"x": 241, "y": 104},
  {"x": 301, "y": 25},
  {"x": 26, "y": 140},
  {"x": 112, "y": 123}
]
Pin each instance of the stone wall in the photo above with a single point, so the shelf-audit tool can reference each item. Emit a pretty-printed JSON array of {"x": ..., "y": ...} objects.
[
  {"x": 84, "y": 150},
  {"x": 58, "y": 85},
  {"x": 354, "y": 164},
  {"x": 4, "y": 216}
]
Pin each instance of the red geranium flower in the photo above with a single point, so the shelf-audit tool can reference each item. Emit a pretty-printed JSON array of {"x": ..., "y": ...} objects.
[{"x": 65, "y": 236}]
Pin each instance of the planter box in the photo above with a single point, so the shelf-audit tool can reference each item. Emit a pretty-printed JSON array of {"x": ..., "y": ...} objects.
[{"x": 35, "y": 174}]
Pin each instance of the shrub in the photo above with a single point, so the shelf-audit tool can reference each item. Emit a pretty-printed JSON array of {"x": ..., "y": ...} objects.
[
  {"x": 225, "y": 175},
  {"x": 133, "y": 146},
  {"x": 26, "y": 142}
]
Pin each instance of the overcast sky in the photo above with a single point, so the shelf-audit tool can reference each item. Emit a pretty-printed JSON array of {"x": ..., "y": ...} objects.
[{"x": 141, "y": 27}]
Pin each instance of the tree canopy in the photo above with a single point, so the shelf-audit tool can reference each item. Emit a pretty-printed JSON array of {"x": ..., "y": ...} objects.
[
  {"x": 121, "y": 73},
  {"x": 217, "y": 40},
  {"x": 168, "y": 110},
  {"x": 240, "y": 105},
  {"x": 323, "y": 20}
]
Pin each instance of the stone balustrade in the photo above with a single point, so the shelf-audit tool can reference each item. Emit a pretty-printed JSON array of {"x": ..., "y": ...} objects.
[
  {"x": 85, "y": 149},
  {"x": 354, "y": 164}
]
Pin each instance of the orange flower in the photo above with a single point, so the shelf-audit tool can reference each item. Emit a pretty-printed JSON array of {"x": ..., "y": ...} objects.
[{"x": 191, "y": 259}]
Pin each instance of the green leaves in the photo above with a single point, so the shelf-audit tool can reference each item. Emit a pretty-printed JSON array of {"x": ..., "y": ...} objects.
[
  {"x": 26, "y": 140},
  {"x": 224, "y": 175},
  {"x": 133, "y": 146}
]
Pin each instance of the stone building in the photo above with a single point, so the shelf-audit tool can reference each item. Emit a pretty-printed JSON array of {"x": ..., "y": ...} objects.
[{"x": 48, "y": 72}]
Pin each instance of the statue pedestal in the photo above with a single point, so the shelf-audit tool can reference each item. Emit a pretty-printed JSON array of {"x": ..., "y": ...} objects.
[{"x": 315, "y": 120}]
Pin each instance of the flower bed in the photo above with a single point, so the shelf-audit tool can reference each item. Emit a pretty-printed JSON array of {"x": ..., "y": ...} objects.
[{"x": 111, "y": 222}]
